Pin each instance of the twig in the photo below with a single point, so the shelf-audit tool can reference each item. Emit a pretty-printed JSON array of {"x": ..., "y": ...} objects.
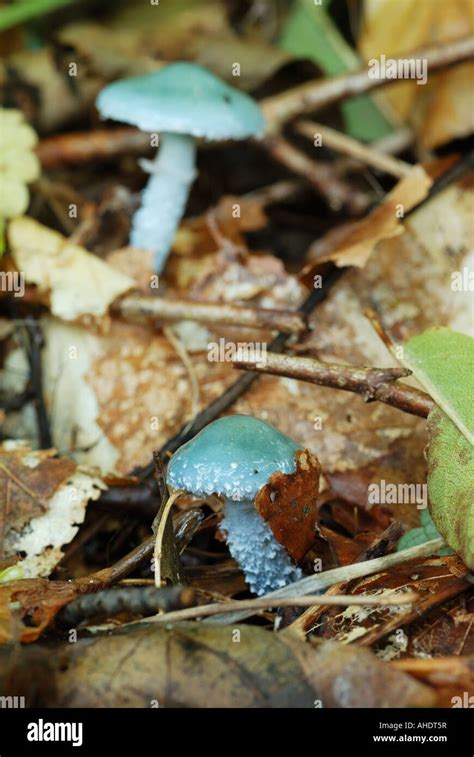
[
  {"x": 339, "y": 142},
  {"x": 262, "y": 603},
  {"x": 319, "y": 93},
  {"x": 373, "y": 384},
  {"x": 157, "y": 308},
  {"x": 214, "y": 410},
  {"x": 323, "y": 176},
  {"x": 87, "y": 146},
  {"x": 322, "y": 581},
  {"x": 121, "y": 569},
  {"x": 161, "y": 524},
  {"x": 143, "y": 600}
]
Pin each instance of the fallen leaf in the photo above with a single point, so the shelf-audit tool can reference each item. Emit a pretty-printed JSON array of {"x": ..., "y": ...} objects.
[
  {"x": 288, "y": 503},
  {"x": 432, "y": 579},
  {"x": 44, "y": 500},
  {"x": 191, "y": 665},
  {"x": 78, "y": 283},
  {"x": 36, "y": 599},
  {"x": 354, "y": 243}
]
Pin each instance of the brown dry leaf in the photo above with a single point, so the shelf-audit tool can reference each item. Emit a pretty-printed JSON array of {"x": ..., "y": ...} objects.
[
  {"x": 288, "y": 503},
  {"x": 446, "y": 630},
  {"x": 37, "y": 83},
  {"x": 185, "y": 30},
  {"x": 451, "y": 677},
  {"x": 78, "y": 283},
  {"x": 44, "y": 500},
  {"x": 354, "y": 243},
  {"x": 442, "y": 109},
  {"x": 194, "y": 665},
  {"x": 431, "y": 579},
  {"x": 344, "y": 676},
  {"x": 39, "y": 600}
]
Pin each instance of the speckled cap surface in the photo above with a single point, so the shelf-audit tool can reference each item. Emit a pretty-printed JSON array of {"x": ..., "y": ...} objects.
[
  {"x": 233, "y": 456},
  {"x": 183, "y": 98}
]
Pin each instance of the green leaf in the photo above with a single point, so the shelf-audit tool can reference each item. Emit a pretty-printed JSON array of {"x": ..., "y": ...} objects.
[
  {"x": 443, "y": 362},
  {"x": 426, "y": 532},
  {"x": 24, "y": 10},
  {"x": 451, "y": 484},
  {"x": 310, "y": 33}
]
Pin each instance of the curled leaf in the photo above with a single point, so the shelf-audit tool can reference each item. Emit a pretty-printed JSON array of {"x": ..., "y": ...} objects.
[{"x": 288, "y": 503}]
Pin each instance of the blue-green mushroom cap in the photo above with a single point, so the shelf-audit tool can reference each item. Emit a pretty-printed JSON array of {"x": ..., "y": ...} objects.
[
  {"x": 233, "y": 457},
  {"x": 183, "y": 98}
]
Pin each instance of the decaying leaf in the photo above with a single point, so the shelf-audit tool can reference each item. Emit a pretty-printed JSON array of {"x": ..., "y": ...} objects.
[
  {"x": 288, "y": 503},
  {"x": 44, "y": 500},
  {"x": 354, "y": 243},
  {"x": 451, "y": 484},
  {"x": 36, "y": 599},
  {"x": 191, "y": 665},
  {"x": 434, "y": 580},
  {"x": 77, "y": 282}
]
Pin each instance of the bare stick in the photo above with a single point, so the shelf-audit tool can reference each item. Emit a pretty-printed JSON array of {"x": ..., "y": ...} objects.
[
  {"x": 322, "y": 581},
  {"x": 96, "y": 144},
  {"x": 339, "y": 142},
  {"x": 156, "y": 308},
  {"x": 323, "y": 92},
  {"x": 373, "y": 384},
  {"x": 263, "y": 603},
  {"x": 323, "y": 176}
]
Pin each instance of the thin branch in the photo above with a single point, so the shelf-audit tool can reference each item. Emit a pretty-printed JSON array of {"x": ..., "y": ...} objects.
[
  {"x": 373, "y": 384},
  {"x": 321, "y": 581},
  {"x": 156, "y": 308},
  {"x": 87, "y": 146},
  {"x": 340, "y": 142},
  {"x": 143, "y": 600},
  {"x": 222, "y": 403},
  {"x": 320, "y": 93},
  {"x": 263, "y": 603},
  {"x": 323, "y": 176}
]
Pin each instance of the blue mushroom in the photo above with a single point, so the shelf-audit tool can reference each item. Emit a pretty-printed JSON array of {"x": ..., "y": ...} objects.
[
  {"x": 182, "y": 101},
  {"x": 235, "y": 457}
]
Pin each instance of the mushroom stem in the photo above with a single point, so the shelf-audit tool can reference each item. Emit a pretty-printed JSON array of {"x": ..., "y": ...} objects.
[
  {"x": 266, "y": 564},
  {"x": 164, "y": 197}
]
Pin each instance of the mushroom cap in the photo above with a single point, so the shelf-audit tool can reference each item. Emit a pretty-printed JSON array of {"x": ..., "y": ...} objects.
[
  {"x": 233, "y": 456},
  {"x": 183, "y": 98}
]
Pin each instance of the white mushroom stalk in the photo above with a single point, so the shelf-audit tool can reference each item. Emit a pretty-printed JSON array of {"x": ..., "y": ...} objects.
[
  {"x": 164, "y": 198},
  {"x": 266, "y": 564}
]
